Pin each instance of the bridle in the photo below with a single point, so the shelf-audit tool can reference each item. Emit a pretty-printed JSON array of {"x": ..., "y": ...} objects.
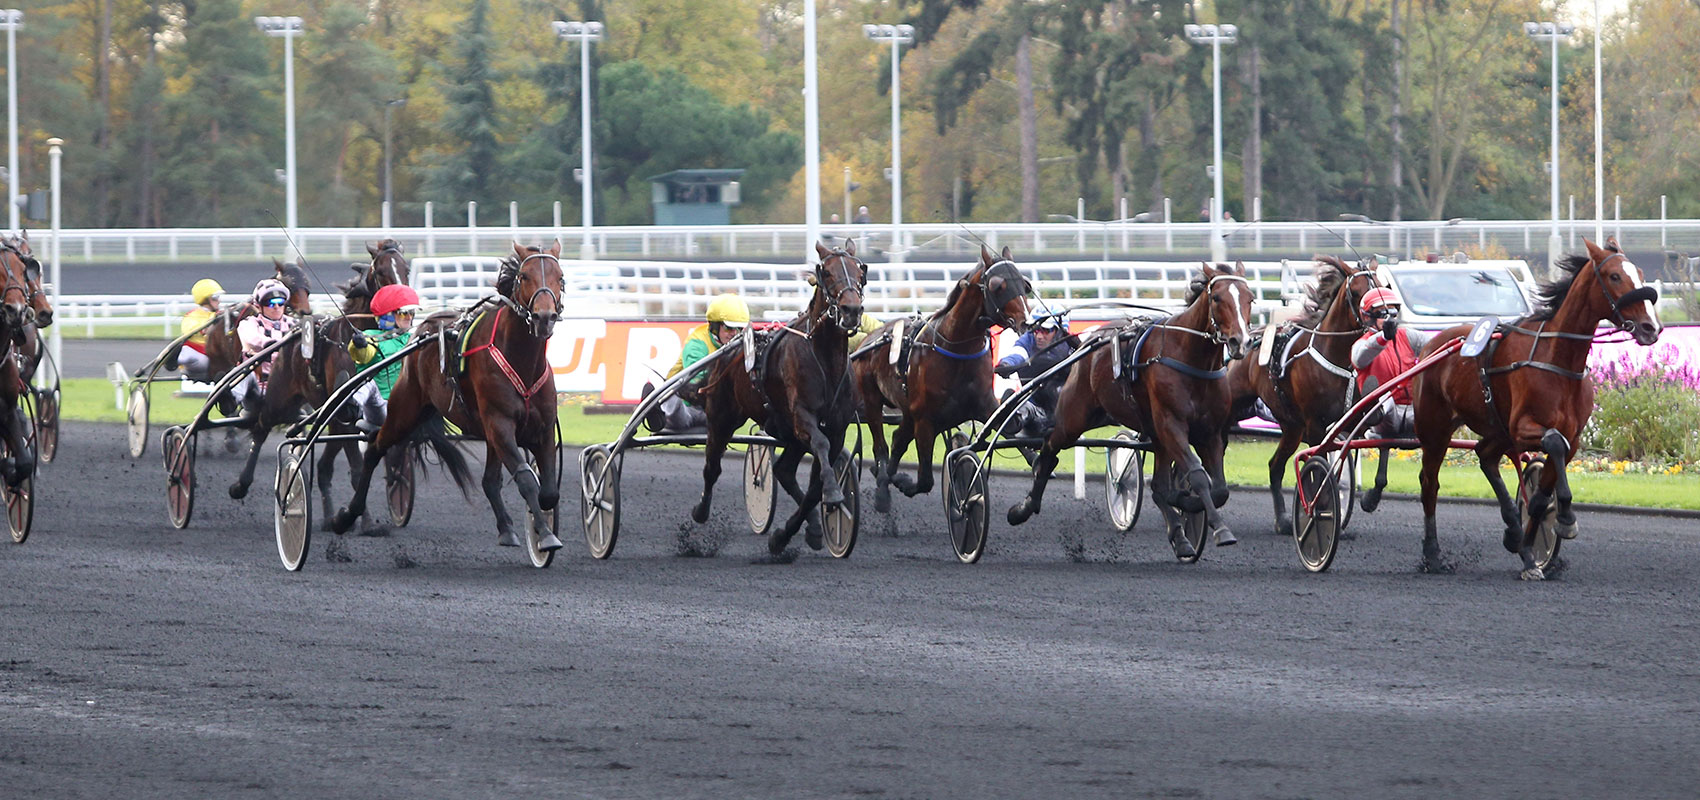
[
  {"x": 835, "y": 312},
  {"x": 992, "y": 304},
  {"x": 395, "y": 261},
  {"x": 24, "y": 286},
  {"x": 1635, "y": 295},
  {"x": 536, "y": 321},
  {"x": 1214, "y": 332}
]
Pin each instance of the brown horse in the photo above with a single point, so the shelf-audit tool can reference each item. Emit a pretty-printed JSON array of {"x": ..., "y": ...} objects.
[
  {"x": 803, "y": 400},
  {"x": 1169, "y": 388},
  {"x": 1306, "y": 384},
  {"x": 41, "y": 306},
  {"x": 505, "y": 394},
  {"x": 224, "y": 350},
  {"x": 1529, "y": 392},
  {"x": 16, "y": 319},
  {"x": 949, "y": 376}
]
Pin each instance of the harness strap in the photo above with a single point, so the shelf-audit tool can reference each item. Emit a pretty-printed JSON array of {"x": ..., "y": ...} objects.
[{"x": 502, "y": 361}]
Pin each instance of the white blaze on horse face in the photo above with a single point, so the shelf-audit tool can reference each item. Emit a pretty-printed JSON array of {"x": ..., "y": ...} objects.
[
  {"x": 1245, "y": 327},
  {"x": 1634, "y": 274}
]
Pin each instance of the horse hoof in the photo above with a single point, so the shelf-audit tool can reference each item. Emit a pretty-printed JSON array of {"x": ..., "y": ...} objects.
[
  {"x": 548, "y": 543},
  {"x": 1371, "y": 500},
  {"x": 832, "y": 499},
  {"x": 814, "y": 539},
  {"x": 1019, "y": 513},
  {"x": 1183, "y": 548},
  {"x": 1513, "y": 540},
  {"x": 238, "y": 491},
  {"x": 343, "y": 521},
  {"x": 1284, "y": 527},
  {"x": 699, "y": 513},
  {"x": 882, "y": 500},
  {"x": 507, "y": 539},
  {"x": 1225, "y": 537},
  {"x": 1532, "y": 574},
  {"x": 1565, "y": 531}
]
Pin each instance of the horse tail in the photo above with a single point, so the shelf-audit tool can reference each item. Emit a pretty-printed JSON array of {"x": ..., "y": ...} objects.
[{"x": 431, "y": 431}]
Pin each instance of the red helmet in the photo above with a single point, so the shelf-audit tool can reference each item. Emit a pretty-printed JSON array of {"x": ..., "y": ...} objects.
[
  {"x": 1378, "y": 297},
  {"x": 394, "y": 297}
]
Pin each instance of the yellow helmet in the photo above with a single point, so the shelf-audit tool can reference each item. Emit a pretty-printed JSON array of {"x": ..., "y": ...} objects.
[
  {"x": 729, "y": 310},
  {"x": 204, "y": 289}
]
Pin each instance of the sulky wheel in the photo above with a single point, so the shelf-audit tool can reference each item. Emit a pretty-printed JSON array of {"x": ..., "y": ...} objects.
[
  {"x": 47, "y": 418},
  {"x": 1316, "y": 521},
  {"x": 292, "y": 517},
  {"x": 399, "y": 485},
  {"x": 539, "y": 557},
  {"x": 966, "y": 506},
  {"x": 1348, "y": 483},
  {"x": 1124, "y": 482},
  {"x": 840, "y": 524},
  {"x": 178, "y": 447},
  {"x": 20, "y": 500},
  {"x": 599, "y": 500},
  {"x": 1546, "y": 542},
  {"x": 136, "y": 412},
  {"x": 759, "y": 497},
  {"x": 1195, "y": 525}
]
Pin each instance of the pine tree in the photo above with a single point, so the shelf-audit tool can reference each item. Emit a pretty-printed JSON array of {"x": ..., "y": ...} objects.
[{"x": 467, "y": 170}]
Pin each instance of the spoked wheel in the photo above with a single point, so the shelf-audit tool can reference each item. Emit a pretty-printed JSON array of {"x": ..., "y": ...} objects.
[
  {"x": 136, "y": 412},
  {"x": 1195, "y": 525},
  {"x": 541, "y": 558},
  {"x": 966, "y": 506},
  {"x": 1348, "y": 483},
  {"x": 399, "y": 488},
  {"x": 599, "y": 500},
  {"x": 1546, "y": 542},
  {"x": 47, "y": 419},
  {"x": 292, "y": 518},
  {"x": 840, "y": 524},
  {"x": 1124, "y": 482},
  {"x": 20, "y": 501},
  {"x": 1316, "y": 520},
  {"x": 759, "y": 497},
  {"x": 179, "y": 450}
]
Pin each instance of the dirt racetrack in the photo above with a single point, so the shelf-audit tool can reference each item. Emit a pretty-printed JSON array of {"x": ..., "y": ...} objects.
[{"x": 141, "y": 661}]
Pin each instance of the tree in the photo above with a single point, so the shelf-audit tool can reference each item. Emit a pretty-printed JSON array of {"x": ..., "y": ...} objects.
[
  {"x": 466, "y": 168},
  {"x": 348, "y": 78}
]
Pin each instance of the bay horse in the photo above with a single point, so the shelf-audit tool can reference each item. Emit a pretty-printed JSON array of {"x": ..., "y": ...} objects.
[
  {"x": 1529, "y": 391},
  {"x": 948, "y": 380},
  {"x": 803, "y": 400},
  {"x": 16, "y": 319},
  {"x": 504, "y": 394},
  {"x": 1307, "y": 382},
  {"x": 41, "y": 306},
  {"x": 224, "y": 350},
  {"x": 1169, "y": 387}
]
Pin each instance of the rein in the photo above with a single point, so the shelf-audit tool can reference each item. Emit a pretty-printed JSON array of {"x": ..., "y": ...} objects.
[{"x": 501, "y": 360}]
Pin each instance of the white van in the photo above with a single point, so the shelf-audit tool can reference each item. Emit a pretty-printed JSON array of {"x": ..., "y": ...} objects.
[{"x": 1438, "y": 295}]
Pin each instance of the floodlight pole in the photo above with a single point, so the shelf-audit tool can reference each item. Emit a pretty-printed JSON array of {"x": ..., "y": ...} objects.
[
  {"x": 896, "y": 36},
  {"x": 12, "y": 19},
  {"x": 584, "y": 33},
  {"x": 1553, "y": 33},
  {"x": 287, "y": 28},
  {"x": 1215, "y": 36}
]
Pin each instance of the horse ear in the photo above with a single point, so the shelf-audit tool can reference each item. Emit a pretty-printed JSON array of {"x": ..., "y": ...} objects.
[
  {"x": 555, "y": 249},
  {"x": 985, "y": 254},
  {"x": 1594, "y": 251},
  {"x": 519, "y": 250},
  {"x": 1611, "y": 244},
  {"x": 372, "y": 249},
  {"x": 820, "y": 250},
  {"x": 1006, "y": 256},
  {"x": 1239, "y": 267},
  {"x": 850, "y": 245}
]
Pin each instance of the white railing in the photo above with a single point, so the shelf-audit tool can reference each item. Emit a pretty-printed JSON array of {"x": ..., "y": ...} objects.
[{"x": 1105, "y": 241}]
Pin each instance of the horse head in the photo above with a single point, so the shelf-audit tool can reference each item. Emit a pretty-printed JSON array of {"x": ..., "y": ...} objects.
[
  {"x": 1227, "y": 298},
  {"x": 1340, "y": 290},
  {"x": 39, "y": 301},
  {"x": 838, "y": 280},
  {"x": 388, "y": 267},
  {"x": 294, "y": 277},
  {"x": 15, "y": 310},
  {"x": 1633, "y": 304},
  {"x": 1003, "y": 290},
  {"x": 532, "y": 278}
]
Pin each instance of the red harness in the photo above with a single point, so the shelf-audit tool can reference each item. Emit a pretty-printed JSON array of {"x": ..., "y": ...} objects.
[{"x": 502, "y": 361}]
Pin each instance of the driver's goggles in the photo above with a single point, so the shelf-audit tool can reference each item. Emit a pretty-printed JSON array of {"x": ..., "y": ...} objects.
[
  {"x": 1384, "y": 313},
  {"x": 277, "y": 302}
]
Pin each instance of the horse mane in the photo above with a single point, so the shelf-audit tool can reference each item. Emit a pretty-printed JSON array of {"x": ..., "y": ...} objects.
[
  {"x": 1330, "y": 274},
  {"x": 388, "y": 244},
  {"x": 956, "y": 290},
  {"x": 1196, "y": 286},
  {"x": 1549, "y": 296},
  {"x": 507, "y": 278}
]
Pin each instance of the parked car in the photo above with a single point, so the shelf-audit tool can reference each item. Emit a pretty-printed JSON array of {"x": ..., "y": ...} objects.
[{"x": 1442, "y": 294}]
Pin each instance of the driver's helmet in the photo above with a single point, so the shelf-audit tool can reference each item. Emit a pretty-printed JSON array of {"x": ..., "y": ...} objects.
[
  {"x": 267, "y": 290},
  {"x": 393, "y": 298},
  {"x": 729, "y": 310},
  {"x": 205, "y": 289},
  {"x": 1054, "y": 321},
  {"x": 1378, "y": 298}
]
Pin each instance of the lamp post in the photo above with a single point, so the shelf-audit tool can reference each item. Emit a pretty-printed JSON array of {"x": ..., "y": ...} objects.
[
  {"x": 1554, "y": 33},
  {"x": 288, "y": 28},
  {"x": 11, "y": 20},
  {"x": 389, "y": 105},
  {"x": 1215, "y": 36},
  {"x": 811, "y": 136},
  {"x": 1599, "y": 129},
  {"x": 896, "y": 36},
  {"x": 584, "y": 33}
]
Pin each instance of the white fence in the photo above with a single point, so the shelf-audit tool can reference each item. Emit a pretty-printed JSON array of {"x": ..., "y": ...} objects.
[{"x": 1105, "y": 241}]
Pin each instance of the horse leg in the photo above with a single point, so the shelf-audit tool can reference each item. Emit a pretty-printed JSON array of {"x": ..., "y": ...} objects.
[
  {"x": 1215, "y": 486},
  {"x": 1559, "y": 452},
  {"x": 785, "y": 471},
  {"x": 326, "y": 463},
  {"x": 347, "y": 515},
  {"x": 1489, "y": 457},
  {"x": 1434, "y": 454},
  {"x": 257, "y": 440},
  {"x": 405, "y": 409},
  {"x": 1278, "y": 463},
  {"x": 874, "y": 416},
  {"x": 720, "y": 430},
  {"x": 808, "y": 511},
  {"x": 1162, "y": 495},
  {"x": 1372, "y": 498},
  {"x": 900, "y": 445},
  {"x": 925, "y": 437},
  {"x": 1071, "y": 421},
  {"x": 21, "y": 464},
  {"x": 503, "y": 441},
  {"x": 492, "y": 484}
]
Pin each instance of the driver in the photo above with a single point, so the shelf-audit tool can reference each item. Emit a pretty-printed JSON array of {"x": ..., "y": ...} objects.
[
  {"x": 1381, "y": 355},
  {"x": 393, "y": 309},
  {"x": 259, "y": 330},
  {"x": 727, "y": 317},
  {"x": 192, "y": 356},
  {"x": 1043, "y": 346}
]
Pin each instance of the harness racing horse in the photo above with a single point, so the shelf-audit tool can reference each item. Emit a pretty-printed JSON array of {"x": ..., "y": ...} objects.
[
  {"x": 1168, "y": 388},
  {"x": 505, "y": 394},
  {"x": 948, "y": 379},
  {"x": 1528, "y": 391},
  {"x": 224, "y": 350},
  {"x": 16, "y": 318},
  {"x": 803, "y": 400},
  {"x": 1307, "y": 382},
  {"x": 41, "y": 306}
]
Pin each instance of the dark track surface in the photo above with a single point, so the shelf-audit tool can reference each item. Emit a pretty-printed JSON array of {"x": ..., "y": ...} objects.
[{"x": 139, "y": 661}]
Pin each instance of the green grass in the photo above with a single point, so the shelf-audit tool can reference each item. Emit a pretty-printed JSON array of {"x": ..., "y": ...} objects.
[
  {"x": 152, "y": 332},
  {"x": 1246, "y": 463}
]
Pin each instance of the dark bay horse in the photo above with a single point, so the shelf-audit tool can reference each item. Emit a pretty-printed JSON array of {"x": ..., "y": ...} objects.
[
  {"x": 804, "y": 399},
  {"x": 948, "y": 380},
  {"x": 1529, "y": 392},
  {"x": 16, "y": 319},
  {"x": 1307, "y": 381},
  {"x": 1170, "y": 388},
  {"x": 504, "y": 394},
  {"x": 223, "y": 349}
]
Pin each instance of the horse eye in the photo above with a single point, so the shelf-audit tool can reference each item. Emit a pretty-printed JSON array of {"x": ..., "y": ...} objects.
[{"x": 1616, "y": 277}]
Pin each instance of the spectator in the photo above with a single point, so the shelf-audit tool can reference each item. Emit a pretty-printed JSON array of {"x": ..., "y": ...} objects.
[
  {"x": 862, "y": 216},
  {"x": 833, "y": 220}
]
